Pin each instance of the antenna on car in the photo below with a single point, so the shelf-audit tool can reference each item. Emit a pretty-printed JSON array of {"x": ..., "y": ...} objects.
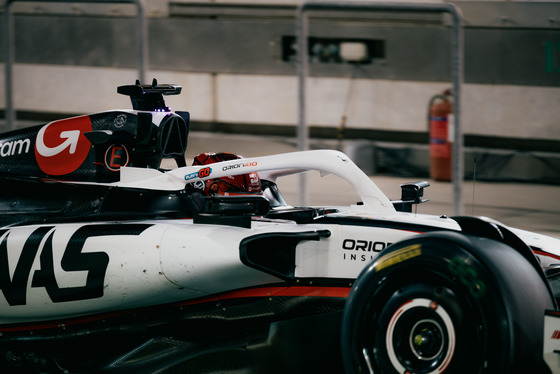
[{"x": 474, "y": 185}]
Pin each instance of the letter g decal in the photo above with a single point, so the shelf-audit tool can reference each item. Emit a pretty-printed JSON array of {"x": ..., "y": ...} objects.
[{"x": 61, "y": 147}]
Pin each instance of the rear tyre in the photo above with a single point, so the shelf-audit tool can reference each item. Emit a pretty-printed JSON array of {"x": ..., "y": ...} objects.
[{"x": 446, "y": 302}]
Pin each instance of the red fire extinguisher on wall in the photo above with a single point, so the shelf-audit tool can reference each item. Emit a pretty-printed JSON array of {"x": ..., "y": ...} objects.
[{"x": 440, "y": 122}]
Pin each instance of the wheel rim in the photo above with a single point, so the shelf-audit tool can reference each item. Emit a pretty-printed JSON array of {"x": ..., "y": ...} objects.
[
  {"x": 426, "y": 339},
  {"x": 420, "y": 337}
]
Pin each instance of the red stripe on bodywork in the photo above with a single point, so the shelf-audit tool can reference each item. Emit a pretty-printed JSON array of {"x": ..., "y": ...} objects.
[
  {"x": 300, "y": 291},
  {"x": 277, "y": 291},
  {"x": 546, "y": 254}
]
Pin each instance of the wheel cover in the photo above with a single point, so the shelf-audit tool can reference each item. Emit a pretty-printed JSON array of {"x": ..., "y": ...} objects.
[{"x": 430, "y": 337}]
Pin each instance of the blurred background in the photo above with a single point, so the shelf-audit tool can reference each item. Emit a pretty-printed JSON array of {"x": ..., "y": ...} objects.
[{"x": 375, "y": 86}]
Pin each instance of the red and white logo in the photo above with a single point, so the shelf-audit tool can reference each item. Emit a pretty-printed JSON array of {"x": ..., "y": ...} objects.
[
  {"x": 116, "y": 157},
  {"x": 61, "y": 146}
]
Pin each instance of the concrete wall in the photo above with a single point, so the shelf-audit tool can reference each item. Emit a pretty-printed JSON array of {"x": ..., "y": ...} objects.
[{"x": 228, "y": 56}]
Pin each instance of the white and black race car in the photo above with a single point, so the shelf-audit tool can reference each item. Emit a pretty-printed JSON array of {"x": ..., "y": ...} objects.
[{"x": 111, "y": 264}]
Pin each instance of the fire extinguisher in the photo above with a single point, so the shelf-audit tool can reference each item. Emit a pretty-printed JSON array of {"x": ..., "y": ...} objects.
[{"x": 440, "y": 122}]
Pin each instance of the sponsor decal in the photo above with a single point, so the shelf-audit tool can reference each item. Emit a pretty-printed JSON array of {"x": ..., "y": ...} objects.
[
  {"x": 398, "y": 256},
  {"x": 120, "y": 121},
  {"x": 61, "y": 147},
  {"x": 38, "y": 246},
  {"x": 14, "y": 147},
  {"x": 205, "y": 172},
  {"x": 116, "y": 157},
  {"x": 202, "y": 173},
  {"x": 555, "y": 334},
  {"x": 354, "y": 249},
  {"x": 239, "y": 165},
  {"x": 190, "y": 176}
]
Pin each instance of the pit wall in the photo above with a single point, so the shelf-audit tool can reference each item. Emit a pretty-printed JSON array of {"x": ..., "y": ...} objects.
[{"x": 491, "y": 110}]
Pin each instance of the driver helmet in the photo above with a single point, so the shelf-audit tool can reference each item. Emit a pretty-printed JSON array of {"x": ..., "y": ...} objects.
[{"x": 242, "y": 184}]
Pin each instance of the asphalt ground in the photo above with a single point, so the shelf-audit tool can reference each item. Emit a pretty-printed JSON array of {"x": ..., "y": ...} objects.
[{"x": 533, "y": 207}]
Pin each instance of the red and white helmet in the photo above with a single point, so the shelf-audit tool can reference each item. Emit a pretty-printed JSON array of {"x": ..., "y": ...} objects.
[{"x": 242, "y": 184}]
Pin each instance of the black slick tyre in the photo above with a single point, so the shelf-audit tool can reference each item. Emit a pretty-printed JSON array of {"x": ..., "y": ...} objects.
[{"x": 446, "y": 302}]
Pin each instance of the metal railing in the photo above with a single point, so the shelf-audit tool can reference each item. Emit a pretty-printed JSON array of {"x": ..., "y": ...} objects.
[
  {"x": 7, "y": 31},
  {"x": 456, "y": 74}
]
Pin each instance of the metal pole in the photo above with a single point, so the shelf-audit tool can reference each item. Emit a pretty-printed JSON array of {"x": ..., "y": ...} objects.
[
  {"x": 9, "y": 112},
  {"x": 142, "y": 40},
  {"x": 141, "y": 36},
  {"x": 456, "y": 69},
  {"x": 458, "y": 156},
  {"x": 303, "y": 71}
]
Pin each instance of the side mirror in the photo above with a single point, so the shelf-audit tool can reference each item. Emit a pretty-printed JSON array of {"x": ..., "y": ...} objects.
[{"x": 411, "y": 193}]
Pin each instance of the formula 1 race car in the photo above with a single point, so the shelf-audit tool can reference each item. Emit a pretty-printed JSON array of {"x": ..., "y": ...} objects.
[{"x": 110, "y": 263}]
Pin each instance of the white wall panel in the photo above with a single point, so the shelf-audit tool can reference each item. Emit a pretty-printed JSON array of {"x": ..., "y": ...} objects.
[{"x": 491, "y": 110}]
